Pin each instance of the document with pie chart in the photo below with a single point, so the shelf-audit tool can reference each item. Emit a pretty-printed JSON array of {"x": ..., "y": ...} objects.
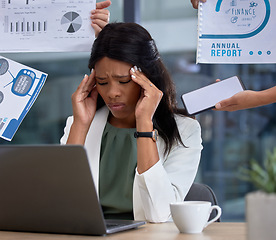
[
  {"x": 46, "y": 25},
  {"x": 237, "y": 31}
]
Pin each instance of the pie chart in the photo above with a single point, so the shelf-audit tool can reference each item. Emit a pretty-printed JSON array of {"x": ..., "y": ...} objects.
[
  {"x": 71, "y": 22},
  {"x": 4, "y": 66}
]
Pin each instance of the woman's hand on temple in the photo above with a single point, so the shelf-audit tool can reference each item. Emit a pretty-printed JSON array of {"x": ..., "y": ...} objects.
[
  {"x": 148, "y": 102},
  {"x": 100, "y": 16},
  {"x": 84, "y": 101}
]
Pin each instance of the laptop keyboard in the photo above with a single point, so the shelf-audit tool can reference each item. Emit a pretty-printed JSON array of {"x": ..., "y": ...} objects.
[{"x": 115, "y": 225}]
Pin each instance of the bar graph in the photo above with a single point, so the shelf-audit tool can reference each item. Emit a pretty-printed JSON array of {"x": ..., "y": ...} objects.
[
  {"x": 24, "y": 26},
  {"x": 21, "y": 1},
  {"x": 6, "y": 24}
]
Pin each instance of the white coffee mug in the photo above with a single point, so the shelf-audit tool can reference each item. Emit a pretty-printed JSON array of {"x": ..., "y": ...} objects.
[{"x": 192, "y": 216}]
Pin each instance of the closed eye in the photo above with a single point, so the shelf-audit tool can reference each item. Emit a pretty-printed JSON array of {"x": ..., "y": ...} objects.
[
  {"x": 122, "y": 82},
  {"x": 102, "y": 83}
]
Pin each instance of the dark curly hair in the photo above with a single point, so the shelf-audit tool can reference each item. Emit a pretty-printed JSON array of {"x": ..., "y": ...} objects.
[{"x": 131, "y": 43}]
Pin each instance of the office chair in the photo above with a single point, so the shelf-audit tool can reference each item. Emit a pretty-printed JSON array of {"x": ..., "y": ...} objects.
[{"x": 202, "y": 192}]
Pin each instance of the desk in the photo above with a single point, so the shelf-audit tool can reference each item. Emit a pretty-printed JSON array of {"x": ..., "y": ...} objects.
[{"x": 162, "y": 231}]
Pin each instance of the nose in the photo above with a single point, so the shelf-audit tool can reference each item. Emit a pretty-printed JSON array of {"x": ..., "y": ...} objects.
[{"x": 113, "y": 91}]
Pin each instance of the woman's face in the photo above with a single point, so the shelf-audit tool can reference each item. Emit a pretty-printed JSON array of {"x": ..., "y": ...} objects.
[{"x": 118, "y": 91}]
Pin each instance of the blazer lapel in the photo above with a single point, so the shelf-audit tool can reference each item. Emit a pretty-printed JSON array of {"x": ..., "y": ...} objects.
[{"x": 93, "y": 142}]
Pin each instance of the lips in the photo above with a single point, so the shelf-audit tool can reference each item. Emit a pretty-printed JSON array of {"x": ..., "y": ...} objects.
[{"x": 116, "y": 106}]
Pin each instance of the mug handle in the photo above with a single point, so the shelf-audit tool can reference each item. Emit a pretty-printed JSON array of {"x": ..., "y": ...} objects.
[{"x": 216, "y": 217}]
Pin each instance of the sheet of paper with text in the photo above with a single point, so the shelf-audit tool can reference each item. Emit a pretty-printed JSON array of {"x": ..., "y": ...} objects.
[
  {"x": 19, "y": 88},
  {"x": 46, "y": 25},
  {"x": 237, "y": 31}
]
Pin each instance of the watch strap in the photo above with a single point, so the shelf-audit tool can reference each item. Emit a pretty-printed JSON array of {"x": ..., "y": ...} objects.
[
  {"x": 143, "y": 134},
  {"x": 153, "y": 135}
]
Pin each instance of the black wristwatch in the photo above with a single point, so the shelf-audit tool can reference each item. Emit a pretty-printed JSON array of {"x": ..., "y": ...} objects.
[{"x": 153, "y": 135}]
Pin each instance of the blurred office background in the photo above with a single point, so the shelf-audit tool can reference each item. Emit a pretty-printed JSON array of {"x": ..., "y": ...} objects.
[{"x": 230, "y": 139}]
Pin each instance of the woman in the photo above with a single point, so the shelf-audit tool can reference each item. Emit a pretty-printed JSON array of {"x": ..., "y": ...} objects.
[{"x": 129, "y": 91}]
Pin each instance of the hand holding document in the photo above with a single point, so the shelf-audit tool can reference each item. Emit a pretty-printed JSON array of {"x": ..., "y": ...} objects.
[{"x": 46, "y": 26}]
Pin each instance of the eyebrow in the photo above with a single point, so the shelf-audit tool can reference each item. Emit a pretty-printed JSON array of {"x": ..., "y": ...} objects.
[{"x": 114, "y": 76}]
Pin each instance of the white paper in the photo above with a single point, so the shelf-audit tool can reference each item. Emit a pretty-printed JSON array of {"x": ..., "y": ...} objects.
[
  {"x": 46, "y": 25},
  {"x": 237, "y": 31},
  {"x": 19, "y": 88}
]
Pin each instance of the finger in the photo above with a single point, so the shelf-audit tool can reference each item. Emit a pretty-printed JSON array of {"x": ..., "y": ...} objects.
[
  {"x": 229, "y": 108},
  {"x": 87, "y": 83},
  {"x": 223, "y": 104},
  {"x": 143, "y": 81},
  {"x": 76, "y": 95},
  {"x": 103, "y": 4},
  {"x": 100, "y": 11},
  {"x": 101, "y": 24},
  {"x": 96, "y": 28},
  {"x": 83, "y": 82},
  {"x": 100, "y": 16},
  {"x": 218, "y": 106},
  {"x": 94, "y": 93},
  {"x": 140, "y": 80},
  {"x": 217, "y": 80},
  {"x": 195, "y": 4},
  {"x": 148, "y": 87},
  {"x": 92, "y": 80}
]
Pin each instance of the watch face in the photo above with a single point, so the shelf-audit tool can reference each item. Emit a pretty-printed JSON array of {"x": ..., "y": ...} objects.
[{"x": 154, "y": 135}]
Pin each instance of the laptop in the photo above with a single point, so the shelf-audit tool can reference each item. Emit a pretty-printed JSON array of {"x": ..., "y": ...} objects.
[{"x": 50, "y": 189}]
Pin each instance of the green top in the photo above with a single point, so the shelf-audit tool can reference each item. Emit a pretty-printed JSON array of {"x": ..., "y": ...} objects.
[{"x": 118, "y": 161}]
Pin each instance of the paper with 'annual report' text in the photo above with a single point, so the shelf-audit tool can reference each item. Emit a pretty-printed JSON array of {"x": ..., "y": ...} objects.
[{"x": 237, "y": 31}]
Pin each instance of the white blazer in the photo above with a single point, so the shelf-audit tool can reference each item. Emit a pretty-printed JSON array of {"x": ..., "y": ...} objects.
[{"x": 167, "y": 181}]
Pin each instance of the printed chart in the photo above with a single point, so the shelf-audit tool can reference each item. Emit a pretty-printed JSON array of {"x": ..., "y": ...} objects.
[
  {"x": 24, "y": 26},
  {"x": 18, "y": 1},
  {"x": 19, "y": 88},
  {"x": 46, "y": 25},
  {"x": 71, "y": 22}
]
